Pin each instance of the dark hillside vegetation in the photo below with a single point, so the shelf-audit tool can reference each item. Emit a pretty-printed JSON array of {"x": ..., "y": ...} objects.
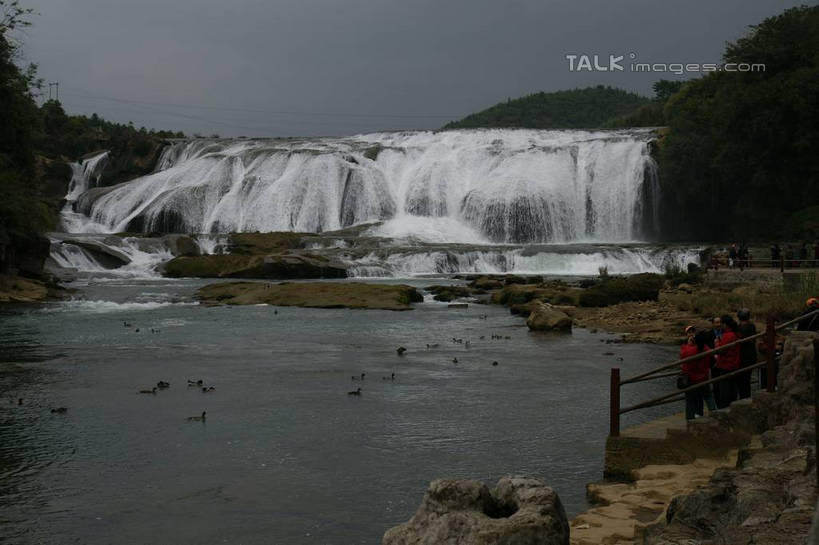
[{"x": 587, "y": 108}]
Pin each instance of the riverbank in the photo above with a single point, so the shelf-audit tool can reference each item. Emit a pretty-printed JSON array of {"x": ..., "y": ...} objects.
[
  {"x": 19, "y": 289},
  {"x": 747, "y": 473}
]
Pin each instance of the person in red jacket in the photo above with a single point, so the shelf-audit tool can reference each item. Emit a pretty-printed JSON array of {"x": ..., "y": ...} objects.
[
  {"x": 727, "y": 361},
  {"x": 696, "y": 371}
]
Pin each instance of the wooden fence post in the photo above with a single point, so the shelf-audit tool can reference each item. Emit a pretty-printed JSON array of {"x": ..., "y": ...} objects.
[
  {"x": 614, "y": 396},
  {"x": 770, "y": 352}
]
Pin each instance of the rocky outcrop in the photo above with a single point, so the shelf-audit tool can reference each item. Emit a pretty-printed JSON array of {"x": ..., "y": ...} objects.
[
  {"x": 311, "y": 294},
  {"x": 545, "y": 317},
  {"x": 449, "y": 293},
  {"x": 769, "y": 498},
  {"x": 519, "y": 511},
  {"x": 103, "y": 252},
  {"x": 771, "y": 494},
  {"x": 278, "y": 266},
  {"x": 182, "y": 245},
  {"x": 16, "y": 289},
  {"x": 23, "y": 256}
]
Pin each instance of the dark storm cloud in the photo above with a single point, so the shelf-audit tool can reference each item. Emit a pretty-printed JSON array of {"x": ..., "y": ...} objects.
[{"x": 310, "y": 67}]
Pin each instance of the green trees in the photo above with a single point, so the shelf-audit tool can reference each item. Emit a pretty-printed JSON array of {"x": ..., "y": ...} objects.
[
  {"x": 35, "y": 144},
  {"x": 740, "y": 156},
  {"x": 576, "y": 109},
  {"x": 23, "y": 214}
]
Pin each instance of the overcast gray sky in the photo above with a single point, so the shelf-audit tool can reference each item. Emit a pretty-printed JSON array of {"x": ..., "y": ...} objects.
[{"x": 333, "y": 67}]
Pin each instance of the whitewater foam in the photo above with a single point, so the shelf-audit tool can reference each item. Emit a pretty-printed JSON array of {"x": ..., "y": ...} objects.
[
  {"x": 483, "y": 185},
  {"x": 104, "y": 307}
]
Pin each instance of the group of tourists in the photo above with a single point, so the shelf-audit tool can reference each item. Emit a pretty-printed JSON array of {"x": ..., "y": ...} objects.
[
  {"x": 791, "y": 256},
  {"x": 724, "y": 331},
  {"x": 794, "y": 257}
]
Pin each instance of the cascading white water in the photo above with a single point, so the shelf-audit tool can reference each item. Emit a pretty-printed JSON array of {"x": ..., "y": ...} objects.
[
  {"x": 580, "y": 262},
  {"x": 85, "y": 174},
  {"x": 475, "y": 186},
  {"x": 106, "y": 256}
]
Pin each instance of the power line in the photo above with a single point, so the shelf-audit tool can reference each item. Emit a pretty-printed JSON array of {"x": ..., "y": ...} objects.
[
  {"x": 261, "y": 111},
  {"x": 136, "y": 107}
]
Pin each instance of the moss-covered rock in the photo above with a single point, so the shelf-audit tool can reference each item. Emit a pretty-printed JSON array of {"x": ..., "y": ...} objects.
[
  {"x": 449, "y": 293},
  {"x": 279, "y": 266},
  {"x": 546, "y": 318},
  {"x": 619, "y": 289},
  {"x": 16, "y": 289},
  {"x": 486, "y": 283},
  {"x": 266, "y": 243},
  {"x": 312, "y": 294}
]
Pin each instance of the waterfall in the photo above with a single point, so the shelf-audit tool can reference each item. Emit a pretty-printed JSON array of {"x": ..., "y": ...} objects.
[
  {"x": 467, "y": 186},
  {"x": 85, "y": 174}
]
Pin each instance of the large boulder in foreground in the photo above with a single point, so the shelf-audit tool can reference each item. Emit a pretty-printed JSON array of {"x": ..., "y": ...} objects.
[
  {"x": 519, "y": 511},
  {"x": 311, "y": 294},
  {"x": 544, "y": 317}
]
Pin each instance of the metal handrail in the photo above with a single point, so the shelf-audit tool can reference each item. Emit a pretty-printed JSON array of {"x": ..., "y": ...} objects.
[
  {"x": 652, "y": 402},
  {"x": 640, "y": 377},
  {"x": 770, "y": 336}
]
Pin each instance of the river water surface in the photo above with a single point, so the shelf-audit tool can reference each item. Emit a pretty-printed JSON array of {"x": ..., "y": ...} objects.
[{"x": 285, "y": 455}]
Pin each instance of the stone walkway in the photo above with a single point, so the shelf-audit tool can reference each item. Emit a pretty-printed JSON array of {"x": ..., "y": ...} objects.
[{"x": 625, "y": 509}]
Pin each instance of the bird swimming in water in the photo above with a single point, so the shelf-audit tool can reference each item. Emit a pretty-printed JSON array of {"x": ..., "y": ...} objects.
[
  {"x": 151, "y": 391},
  {"x": 494, "y": 363},
  {"x": 454, "y": 360},
  {"x": 195, "y": 383},
  {"x": 401, "y": 350},
  {"x": 197, "y": 418},
  {"x": 391, "y": 377},
  {"x": 162, "y": 384},
  {"x": 208, "y": 389},
  {"x": 356, "y": 392},
  {"x": 60, "y": 410}
]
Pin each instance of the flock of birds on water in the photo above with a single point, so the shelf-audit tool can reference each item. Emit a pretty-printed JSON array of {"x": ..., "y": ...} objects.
[
  {"x": 164, "y": 385},
  {"x": 402, "y": 350}
]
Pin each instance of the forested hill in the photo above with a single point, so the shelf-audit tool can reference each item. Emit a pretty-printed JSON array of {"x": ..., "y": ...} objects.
[{"x": 585, "y": 108}]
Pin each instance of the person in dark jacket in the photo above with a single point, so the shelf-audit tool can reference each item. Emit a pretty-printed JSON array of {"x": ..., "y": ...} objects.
[
  {"x": 697, "y": 371},
  {"x": 747, "y": 352},
  {"x": 789, "y": 256},
  {"x": 710, "y": 337},
  {"x": 727, "y": 362},
  {"x": 809, "y": 323},
  {"x": 776, "y": 254}
]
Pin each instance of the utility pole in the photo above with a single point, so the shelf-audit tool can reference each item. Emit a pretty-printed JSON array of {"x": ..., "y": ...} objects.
[{"x": 56, "y": 85}]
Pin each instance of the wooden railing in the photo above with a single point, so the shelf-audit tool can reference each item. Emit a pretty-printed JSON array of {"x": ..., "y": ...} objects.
[
  {"x": 769, "y": 363},
  {"x": 782, "y": 264}
]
